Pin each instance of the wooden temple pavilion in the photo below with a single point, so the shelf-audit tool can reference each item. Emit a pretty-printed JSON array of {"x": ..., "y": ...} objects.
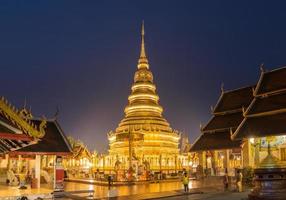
[
  {"x": 264, "y": 132},
  {"x": 264, "y": 120},
  {"x": 245, "y": 123},
  {"x": 44, "y": 152},
  {"x": 29, "y": 146},
  {"x": 216, "y": 150}
]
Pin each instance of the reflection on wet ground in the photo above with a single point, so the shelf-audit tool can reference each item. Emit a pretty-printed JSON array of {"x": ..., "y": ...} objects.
[
  {"x": 102, "y": 191},
  {"x": 212, "y": 196},
  {"x": 13, "y": 191}
]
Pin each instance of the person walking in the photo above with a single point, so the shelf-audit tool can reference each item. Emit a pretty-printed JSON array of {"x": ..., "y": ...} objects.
[
  {"x": 185, "y": 181},
  {"x": 226, "y": 180},
  {"x": 239, "y": 181}
]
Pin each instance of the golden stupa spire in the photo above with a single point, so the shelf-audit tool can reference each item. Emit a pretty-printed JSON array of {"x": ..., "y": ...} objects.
[
  {"x": 143, "y": 131},
  {"x": 143, "y": 61}
]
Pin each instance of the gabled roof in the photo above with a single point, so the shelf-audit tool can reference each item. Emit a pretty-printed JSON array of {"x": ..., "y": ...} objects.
[
  {"x": 267, "y": 112},
  {"x": 215, "y": 141},
  {"x": 80, "y": 150},
  {"x": 268, "y": 104},
  {"x": 12, "y": 138},
  {"x": 227, "y": 115},
  {"x": 53, "y": 143},
  {"x": 223, "y": 122},
  {"x": 12, "y": 116},
  {"x": 262, "y": 126},
  {"x": 234, "y": 100},
  {"x": 16, "y": 131},
  {"x": 271, "y": 81}
]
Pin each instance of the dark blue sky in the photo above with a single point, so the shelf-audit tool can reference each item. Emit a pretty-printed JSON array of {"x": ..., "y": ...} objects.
[{"x": 81, "y": 56}]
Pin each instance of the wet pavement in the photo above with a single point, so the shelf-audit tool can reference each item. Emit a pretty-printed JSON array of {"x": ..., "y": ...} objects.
[
  {"x": 14, "y": 191},
  {"x": 212, "y": 189},
  {"x": 102, "y": 191},
  {"x": 212, "y": 196}
]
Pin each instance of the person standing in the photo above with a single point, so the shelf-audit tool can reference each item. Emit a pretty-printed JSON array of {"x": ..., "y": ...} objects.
[
  {"x": 109, "y": 179},
  {"x": 239, "y": 181},
  {"x": 185, "y": 181},
  {"x": 226, "y": 180}
]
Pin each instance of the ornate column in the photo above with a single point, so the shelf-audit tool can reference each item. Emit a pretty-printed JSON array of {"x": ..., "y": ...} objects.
[
  {"x": 226, "y": 160},
  {"x": 38, "y": 170},
  {"x": 246, "y": 154},
  {"x": 256, "y": 152}
]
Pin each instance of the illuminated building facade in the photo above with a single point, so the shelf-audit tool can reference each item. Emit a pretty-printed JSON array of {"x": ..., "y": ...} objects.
[
  {"x": 264, "y": 119},
  {"x": 245, "y": 121},
  {"x": 216, "y": 151},
  {"x": 80, "y": 162},
  {"x": 143, "y": 138},
  {"x": 28, "y": 146}
]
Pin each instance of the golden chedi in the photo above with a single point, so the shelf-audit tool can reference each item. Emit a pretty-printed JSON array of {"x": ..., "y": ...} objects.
[{"x": 144, "y": 137}]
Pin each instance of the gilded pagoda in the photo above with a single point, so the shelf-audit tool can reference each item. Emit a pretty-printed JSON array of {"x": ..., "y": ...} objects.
[{"x": 144, "y": 138}]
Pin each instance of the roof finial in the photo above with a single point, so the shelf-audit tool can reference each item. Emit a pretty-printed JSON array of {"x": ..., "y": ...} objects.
[
  {"x": 143, "y": 61},
  {"x": 212, "y": 108},
  {"x": 262, "y": 69},
  {"x": 57, "y": 112},
  {"x": 222, "y": 87}
]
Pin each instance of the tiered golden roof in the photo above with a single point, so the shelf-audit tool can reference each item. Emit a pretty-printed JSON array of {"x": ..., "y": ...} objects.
[
  {"x": 19, "y": 119},
  {"x": 143, "y": 124}
]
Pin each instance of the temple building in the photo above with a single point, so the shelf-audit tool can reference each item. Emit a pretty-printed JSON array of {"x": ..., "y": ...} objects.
[
  {"x": 264, "y": 119},
  {"x": 245, "y": 123},
  {"x": 80, "y": 162},
  {"x": 144, "y": 139},
  {"x": 216, "y": 151},
  {"x": 29, "y": 146}
]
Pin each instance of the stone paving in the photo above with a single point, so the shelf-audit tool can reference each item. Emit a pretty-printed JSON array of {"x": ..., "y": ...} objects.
[
  {"x": 156, "y": 195},
  {"x": 101, "y": 191},
  {"x": 211, "y": 188},
  {"x": 211, "y": 196},
  {"x": 11, "y": 192},
  {"x": 204, "y": 193},
  {"x": 194, "y": 194}
]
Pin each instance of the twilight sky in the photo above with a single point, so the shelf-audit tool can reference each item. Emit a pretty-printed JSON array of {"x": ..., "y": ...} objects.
[{"x": 81, "y": 56}]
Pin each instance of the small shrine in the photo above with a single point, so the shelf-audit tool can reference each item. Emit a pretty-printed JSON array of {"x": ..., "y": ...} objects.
[{"x": 80, "y": 163}]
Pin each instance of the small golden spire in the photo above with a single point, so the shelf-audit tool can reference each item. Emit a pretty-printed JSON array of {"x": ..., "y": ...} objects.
[{"x": 143, "y": 61}]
